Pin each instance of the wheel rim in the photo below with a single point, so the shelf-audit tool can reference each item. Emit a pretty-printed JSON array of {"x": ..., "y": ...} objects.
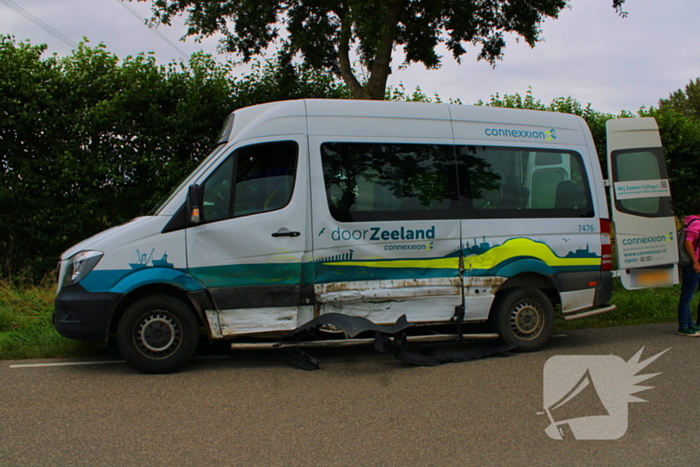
[
  {"x": 157, "y": 335},
  {"x": 526, "y": 320}
]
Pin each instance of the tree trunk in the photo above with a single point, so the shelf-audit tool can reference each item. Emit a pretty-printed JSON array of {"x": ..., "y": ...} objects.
[
  {"x": 379, "y": 74},
  {"x": 379, "y": 71},
  {"x": 358, "y": 92}
]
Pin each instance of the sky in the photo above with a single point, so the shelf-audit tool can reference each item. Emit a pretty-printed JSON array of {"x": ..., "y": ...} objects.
[{"x": 589, "y": 53}]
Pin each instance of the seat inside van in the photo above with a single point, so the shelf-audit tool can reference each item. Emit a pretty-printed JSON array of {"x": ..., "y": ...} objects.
[{"x": 263, "y": 194}]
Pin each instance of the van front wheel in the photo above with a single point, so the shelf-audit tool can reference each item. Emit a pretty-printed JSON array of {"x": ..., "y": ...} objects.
[
  {"x": 523, "y": 316},
  {"x": 158, "y": 334}
]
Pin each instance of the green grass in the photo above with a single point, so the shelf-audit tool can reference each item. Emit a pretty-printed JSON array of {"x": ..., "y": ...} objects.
[
  {"x": 647, "y": 306},
  {"x": 26, "y": 311},
  {"x": 26, "y": 330}
]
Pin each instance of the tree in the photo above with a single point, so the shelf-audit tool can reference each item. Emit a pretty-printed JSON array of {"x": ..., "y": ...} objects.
[
  {"x": 686, "y": 102},
  {"x": 326, "y": 33},
  {"x": 680, "y": 136}
]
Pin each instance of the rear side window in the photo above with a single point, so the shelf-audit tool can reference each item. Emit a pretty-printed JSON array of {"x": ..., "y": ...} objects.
[
  {"x": 254, "y": 179},
  {"x": 642, "y": 165},
  {"x": 502, "y": 182},
  {"x": 382, "y": 181}
]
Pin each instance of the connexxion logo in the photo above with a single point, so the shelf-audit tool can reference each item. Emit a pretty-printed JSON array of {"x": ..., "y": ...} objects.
[
  {"x": 653, "y": 239},
  {"x": 531, "y": 134}
]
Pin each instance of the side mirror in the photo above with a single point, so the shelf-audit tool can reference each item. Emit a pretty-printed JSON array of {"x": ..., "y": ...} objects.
[{"x": 195, "y": 198}]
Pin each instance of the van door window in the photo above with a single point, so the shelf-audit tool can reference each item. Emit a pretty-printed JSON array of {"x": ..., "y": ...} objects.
[
  {"x": 380, "y": 181},
  {"x": 519, "y": 182},
  {"x": 643, "y": 165},
  {"x": 254, "y": 179},
  {"x": 217, "y": 193}
]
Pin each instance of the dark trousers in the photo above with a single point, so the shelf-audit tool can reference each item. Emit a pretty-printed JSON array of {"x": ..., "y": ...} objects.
[{"x": 689, "y": 284}]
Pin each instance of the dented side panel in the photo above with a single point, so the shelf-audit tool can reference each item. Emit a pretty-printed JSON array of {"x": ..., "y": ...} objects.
[
  {"x": 418, "y": 310},
  {"x": 479, "y": 293},
  {"x": 386, "y": 290},
  {"x": 257, "y": 320},
  {"x": 213, "y": 324}
]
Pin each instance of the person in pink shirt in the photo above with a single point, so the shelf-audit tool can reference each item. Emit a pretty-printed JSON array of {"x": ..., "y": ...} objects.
[{"x": 690, "y": 275}]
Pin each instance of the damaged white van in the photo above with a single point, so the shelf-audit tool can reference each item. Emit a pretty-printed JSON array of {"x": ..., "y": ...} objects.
[{"x": 363, "y": 212}]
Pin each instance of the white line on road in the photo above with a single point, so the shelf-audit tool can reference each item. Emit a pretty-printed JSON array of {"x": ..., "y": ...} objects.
[
  {"x": 40, "y": 365},
  {"x": 101, "y": 362}
]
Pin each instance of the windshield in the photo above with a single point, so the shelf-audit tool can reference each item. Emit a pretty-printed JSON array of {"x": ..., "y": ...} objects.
[{"x": 186, "y": 181}]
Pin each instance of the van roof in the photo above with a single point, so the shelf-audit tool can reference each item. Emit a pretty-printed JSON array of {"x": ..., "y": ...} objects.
[{"x": 413, "y": 120}]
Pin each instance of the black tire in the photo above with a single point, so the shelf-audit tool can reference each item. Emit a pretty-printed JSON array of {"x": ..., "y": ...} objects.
[
  {"x": 158, "y": 334},
  {"x": 523, "y": 316}
]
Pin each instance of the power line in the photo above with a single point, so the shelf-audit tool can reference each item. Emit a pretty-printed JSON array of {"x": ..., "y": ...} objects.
[
  {"x": 40, "y": 23},
  {"x": 156, "y": 31}
]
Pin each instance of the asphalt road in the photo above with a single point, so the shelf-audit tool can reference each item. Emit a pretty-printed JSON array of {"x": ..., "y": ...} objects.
[{"x": 361, "y": 409}]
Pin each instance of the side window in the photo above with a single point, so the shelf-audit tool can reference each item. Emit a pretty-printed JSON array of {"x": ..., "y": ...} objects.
[
  {"x": 254, "y": 179},
  {"x": 217, "y": 193},
  {"x": 633, "y": 165},
  {"x": 380, "y": 181},
  {"x": 518, "y": 182}
]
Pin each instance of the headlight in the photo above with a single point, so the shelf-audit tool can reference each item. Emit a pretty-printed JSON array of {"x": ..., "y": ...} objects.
[{"x": 80, "y": 265}]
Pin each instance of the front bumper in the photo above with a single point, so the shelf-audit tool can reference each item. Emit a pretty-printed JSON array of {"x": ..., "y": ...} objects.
[{"x": 82, "y": 315}]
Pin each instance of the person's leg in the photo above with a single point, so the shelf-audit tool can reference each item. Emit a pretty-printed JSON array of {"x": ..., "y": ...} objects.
[
  {"x": 689, "y": 285},
  {"x": 697, "y": 321}
]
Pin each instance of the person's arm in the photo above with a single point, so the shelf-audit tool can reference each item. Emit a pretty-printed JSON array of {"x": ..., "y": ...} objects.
[{"x": 691, "y": 252}]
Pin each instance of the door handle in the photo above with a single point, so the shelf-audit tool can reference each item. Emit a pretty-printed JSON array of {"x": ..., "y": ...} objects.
[{"x": 286, "y": 234}]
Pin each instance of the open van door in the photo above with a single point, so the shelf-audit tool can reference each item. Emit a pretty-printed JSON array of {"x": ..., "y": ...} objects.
[{"x": 645, "y": 228}]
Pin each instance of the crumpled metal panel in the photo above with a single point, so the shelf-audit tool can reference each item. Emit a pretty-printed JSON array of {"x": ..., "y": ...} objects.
[
  {"x": 388, "y": 339},
  {"x": 350, "y": 325}
]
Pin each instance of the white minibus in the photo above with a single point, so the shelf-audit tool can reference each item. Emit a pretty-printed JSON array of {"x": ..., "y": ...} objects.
[{"x": 451, "y": 215}]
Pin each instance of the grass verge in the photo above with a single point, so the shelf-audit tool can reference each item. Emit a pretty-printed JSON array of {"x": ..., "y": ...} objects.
[
  {"x": 647, "y": 306},
  {"x": 26, "y": 330}
]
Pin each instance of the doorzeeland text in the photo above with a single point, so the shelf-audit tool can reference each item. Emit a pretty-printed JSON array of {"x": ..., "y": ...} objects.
[{"x": 378, "y": 234}]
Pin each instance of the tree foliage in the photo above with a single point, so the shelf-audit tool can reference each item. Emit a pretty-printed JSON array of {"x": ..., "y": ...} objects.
[
  {"x": 327, "y": 34},
  {"x": 685, "y": 101},
  {"x": 680, "y": 136},
  {"x": 89, "y": 141},
  {"x": 678, "y": 117}
]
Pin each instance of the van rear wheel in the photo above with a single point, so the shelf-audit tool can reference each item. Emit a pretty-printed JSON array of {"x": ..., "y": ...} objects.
[
  {"x": 523, "y": 316},
  {"x": 158, "y": 334}
]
